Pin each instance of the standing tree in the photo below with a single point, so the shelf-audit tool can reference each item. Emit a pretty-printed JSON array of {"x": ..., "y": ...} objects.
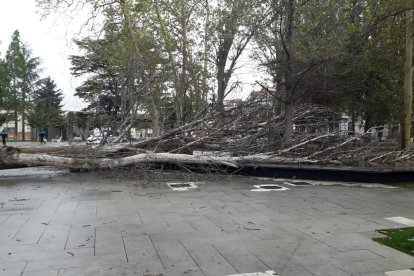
[
  {"x": 408, "y": 81},
  {"x": 46, "y": 106},
  {"x": 235, "y": 24},
  {"x": 4, "y": 92},
  {"x": 23, "y": 74},
  {"x": 17, "y": 74}
]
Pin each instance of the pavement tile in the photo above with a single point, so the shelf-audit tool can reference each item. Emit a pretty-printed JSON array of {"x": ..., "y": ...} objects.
[
  {"x": 81, "y": 236},
  {"x": 210, "y": 261}
]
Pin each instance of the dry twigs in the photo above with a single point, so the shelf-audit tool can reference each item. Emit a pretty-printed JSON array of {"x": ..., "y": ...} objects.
[{"x": 249, "y": 134}]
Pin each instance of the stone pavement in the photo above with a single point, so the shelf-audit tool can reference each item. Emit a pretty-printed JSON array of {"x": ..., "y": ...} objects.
[{"x": 100, "y": 224}]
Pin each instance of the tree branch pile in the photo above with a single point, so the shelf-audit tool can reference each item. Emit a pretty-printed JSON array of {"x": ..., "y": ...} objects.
[{"x": 249, "y": 134}]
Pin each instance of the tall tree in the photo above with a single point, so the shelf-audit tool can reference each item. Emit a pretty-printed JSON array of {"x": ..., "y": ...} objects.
[
  {"x": 235, "y": 23},
  {"x": 408, "y": 82},
  {"x": 23, "y": 72},
  {"x": 4, "y": 92},
  {"x": 46, "y": 106},
  {"x": 17, "y": 73}
]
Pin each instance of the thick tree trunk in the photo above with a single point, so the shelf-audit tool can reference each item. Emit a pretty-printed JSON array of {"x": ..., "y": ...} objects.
[
  {"x": 205, "y": 56},
  {"x": 16, "y": 157},
  {"x": 408, "y": 82},
  {"x": 288, "y": 131},
  {"x": 156, "y": 127},
  {"x": 288, "y": 73},
  {"x": 221, "y": 87}
]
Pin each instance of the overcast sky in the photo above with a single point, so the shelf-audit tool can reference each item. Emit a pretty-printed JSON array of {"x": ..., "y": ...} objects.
[{"x": 50, "y": 40}]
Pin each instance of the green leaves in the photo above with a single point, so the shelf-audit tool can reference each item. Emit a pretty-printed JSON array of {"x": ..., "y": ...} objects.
[{"x": 46, "y": 106}]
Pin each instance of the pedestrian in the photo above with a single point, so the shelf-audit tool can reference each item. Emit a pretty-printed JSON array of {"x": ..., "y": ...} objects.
[
  {"x": 42, "y": 135},
  {"x": 4, "y": 135}
]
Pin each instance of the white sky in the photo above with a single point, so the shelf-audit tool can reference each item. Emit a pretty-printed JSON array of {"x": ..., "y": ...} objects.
[{"x": 50, "y": 40}]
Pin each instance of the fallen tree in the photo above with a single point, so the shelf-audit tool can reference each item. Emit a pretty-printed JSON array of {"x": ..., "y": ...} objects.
[{"x": 240, "y": 139}]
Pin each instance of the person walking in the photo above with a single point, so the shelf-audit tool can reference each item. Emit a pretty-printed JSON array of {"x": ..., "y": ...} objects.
[
  {"x": 42, "y": 135},
  {"x": 4, "y": 135}
]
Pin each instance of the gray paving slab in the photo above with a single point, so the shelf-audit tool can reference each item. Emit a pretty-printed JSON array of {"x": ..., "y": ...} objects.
[
  {"x": 210, "y": 261},
  {"x": 175, "y": 258},
  {"x": 106, "y": 224},
  {"x": 140, "y": 250},
  {"x": 12, "y": 268},
  {"x": 81, "y": 236},
  {"x": 41, "y": 273},
  {"x": 108, "y": 240}
]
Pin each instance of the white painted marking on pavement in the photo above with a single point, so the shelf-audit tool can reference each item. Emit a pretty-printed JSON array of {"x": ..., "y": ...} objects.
[
  {"x": 259, "y": 188},
  {"x": 405, "y": 272},
  {"x": 192, "y": 186},
  {"x": 402, "y": 220},
  {"x": 267, "y": 273}
]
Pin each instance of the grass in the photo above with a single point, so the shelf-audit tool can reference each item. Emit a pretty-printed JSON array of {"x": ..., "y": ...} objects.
[
  {"x": 401, "y": 239},
  {"x": 404, "y": 185}
]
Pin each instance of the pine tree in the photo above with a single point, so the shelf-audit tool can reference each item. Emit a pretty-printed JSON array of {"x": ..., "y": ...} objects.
[
  {"x": 46, "y": 105},
  {"x": 16, "y": 69},
  {"x": 4, "y": 91},
  {"x": 23, "y": 74}
]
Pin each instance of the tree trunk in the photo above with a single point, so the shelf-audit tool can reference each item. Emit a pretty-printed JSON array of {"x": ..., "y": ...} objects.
[
  {"x": 156, "y": 128},
  {"x": 408, "y": 83},
  {"x": 16, "y": 123},
  {"x": 288, "y": 132},
  {"x": 288, "y": 74},
  {"x": 23, "y": 127},
  {"x": 205, "y": 57},
  {"x": 71, "y": 119},
  {"x": 221, "y": 87}
]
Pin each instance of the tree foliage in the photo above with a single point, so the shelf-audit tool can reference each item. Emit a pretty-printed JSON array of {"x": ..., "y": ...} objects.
[
  {"x": 160, "y": 59},
  {"x": 46, "y": 106},
  {"x": 20, "y": 73}
]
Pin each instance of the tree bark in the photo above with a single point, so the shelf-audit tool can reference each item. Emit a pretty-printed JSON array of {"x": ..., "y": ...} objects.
[
  {"x": 408, "y": 82},
  {"x": 156, "y": 127},
  {"x": 288, "y": 74}
]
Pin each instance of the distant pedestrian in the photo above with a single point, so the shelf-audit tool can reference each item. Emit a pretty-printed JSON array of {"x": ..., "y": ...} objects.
[
  {"x": 42, "y": 135},
  {"x": 4, "y": 135}
]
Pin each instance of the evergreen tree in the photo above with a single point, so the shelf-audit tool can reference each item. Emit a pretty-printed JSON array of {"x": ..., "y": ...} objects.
[
  {"x": 46, "y": 105},
  {"x": 23, "y": 72},
  {"x": 16, "y": 69},
  {"x": 4, "y": 91}
]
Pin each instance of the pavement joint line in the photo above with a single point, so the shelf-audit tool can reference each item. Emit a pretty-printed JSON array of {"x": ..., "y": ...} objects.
[
  {"x": 139, "y": 214},
  {"x": 14, "y": 236},
  {"x": 58, "y": 205},
  {"x": 260, "y": 260},
  {"x": 67, "y": 238},
  {"x": 123, "y": 242},
  {"x": 44, "y": 230},
  {"x": 225, "y": 258},
  {"x": 8, "y": 216},
  {"x": 94, "y": 242},
  {"x": 191, "y": 256},
  {"x": 402, "y": 220},
  {"x": 24, "y": 268},
  {"x": 156, "y": 251},
  {"x": 192, "y": 225}
]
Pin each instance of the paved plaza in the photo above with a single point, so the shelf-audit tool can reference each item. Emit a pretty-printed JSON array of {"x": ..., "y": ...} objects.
[{"x": 56, "y": 223}]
